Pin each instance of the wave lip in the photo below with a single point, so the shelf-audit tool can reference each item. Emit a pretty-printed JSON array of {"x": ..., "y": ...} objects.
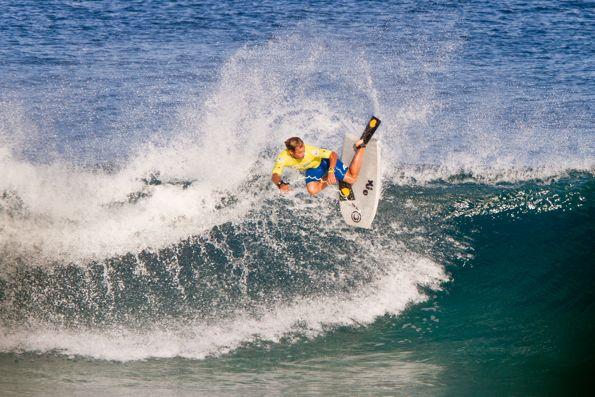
[{"x": 411, "y": 174}]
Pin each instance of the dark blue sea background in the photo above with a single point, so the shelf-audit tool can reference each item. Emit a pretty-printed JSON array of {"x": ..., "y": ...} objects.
[{"x": 144, "y": 251}]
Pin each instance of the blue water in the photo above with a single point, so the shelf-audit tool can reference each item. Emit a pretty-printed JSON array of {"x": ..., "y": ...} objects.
[{"x": 144, "y": 250}]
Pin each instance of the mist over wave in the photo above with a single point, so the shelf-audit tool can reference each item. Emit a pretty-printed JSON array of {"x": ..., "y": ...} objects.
[{"x": 221, "y": 143}]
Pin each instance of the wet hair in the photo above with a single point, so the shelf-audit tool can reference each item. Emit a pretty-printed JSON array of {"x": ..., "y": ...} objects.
[{"x": 293, "y": 143}]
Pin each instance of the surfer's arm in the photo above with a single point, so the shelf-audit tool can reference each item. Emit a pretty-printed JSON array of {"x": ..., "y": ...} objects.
[
  {"x": 278, "y": 172},
  {"x": 333, "y": 161},
  {"x": 278, "y": 180},
  {"x": 331, "y": 169},
  {"x": 279, "y": 165}
]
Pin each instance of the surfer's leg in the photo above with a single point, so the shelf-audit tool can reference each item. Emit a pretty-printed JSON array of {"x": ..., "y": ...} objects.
[
  {"x": 316, "y": 178},
  {"x": 355, "y": 166},
  {"x": 316, "y": 187}
]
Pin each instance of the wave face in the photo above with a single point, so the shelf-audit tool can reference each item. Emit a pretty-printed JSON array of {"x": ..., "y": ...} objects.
[
  {"x": 138, "y": 223},
  {"x": 277, "y": 273}
]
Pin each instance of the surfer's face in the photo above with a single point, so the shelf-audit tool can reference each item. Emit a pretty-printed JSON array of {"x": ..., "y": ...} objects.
[{"x": 298, "y": 153}]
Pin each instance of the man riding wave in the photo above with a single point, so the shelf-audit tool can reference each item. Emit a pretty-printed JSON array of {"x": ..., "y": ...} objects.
[{"x": 322, "y": 166}]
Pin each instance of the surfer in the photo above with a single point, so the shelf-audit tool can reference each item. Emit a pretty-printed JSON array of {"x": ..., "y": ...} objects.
[{"x": 322, "y": 166}]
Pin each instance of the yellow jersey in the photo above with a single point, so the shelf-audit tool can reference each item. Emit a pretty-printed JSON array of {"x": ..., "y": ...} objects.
[{"x": 312, "y": 157}]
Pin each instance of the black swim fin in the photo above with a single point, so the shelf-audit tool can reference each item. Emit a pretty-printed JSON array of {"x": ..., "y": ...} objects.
[{"x": 371, "y": 128}]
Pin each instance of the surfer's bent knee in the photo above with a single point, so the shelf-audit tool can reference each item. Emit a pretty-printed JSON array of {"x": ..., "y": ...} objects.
[
  {"x": 313, "y": 188},
  {"x": 349, "y": 178}
]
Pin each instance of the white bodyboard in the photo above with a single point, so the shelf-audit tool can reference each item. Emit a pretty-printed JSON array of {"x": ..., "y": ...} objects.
[{"x": 360, "y": 208}]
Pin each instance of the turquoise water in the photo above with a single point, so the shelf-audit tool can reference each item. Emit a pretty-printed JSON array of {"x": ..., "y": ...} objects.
[{"x": 143, "y": 249}]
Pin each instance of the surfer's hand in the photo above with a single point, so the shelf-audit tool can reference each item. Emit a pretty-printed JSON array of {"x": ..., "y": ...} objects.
[
  {"x": 284, "y": 188},
  {"x": 331, "y": 179}
]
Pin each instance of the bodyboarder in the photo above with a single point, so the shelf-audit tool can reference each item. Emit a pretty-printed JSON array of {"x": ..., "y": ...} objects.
[{"x": 322, "y": 166}]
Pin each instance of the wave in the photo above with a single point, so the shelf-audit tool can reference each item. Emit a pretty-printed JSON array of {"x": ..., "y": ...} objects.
[
  {"x": 183, "y": 248},
  {"x": 277, "y": 274},
  {"x": 200, "y": 338},
  {"x": 275, "y": 277}
]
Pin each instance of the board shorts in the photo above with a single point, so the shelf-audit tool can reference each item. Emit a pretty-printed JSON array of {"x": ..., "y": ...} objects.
[{"x": 316, "y": 174}]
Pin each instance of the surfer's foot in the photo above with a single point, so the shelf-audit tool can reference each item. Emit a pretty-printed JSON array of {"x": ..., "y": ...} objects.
[
  {"x": 359, "y": 144},
  {"x": 368, "y": 132}
]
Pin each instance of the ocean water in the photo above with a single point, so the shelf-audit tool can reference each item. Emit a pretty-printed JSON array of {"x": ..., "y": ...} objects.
[{"x": 143, "y": 250}]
